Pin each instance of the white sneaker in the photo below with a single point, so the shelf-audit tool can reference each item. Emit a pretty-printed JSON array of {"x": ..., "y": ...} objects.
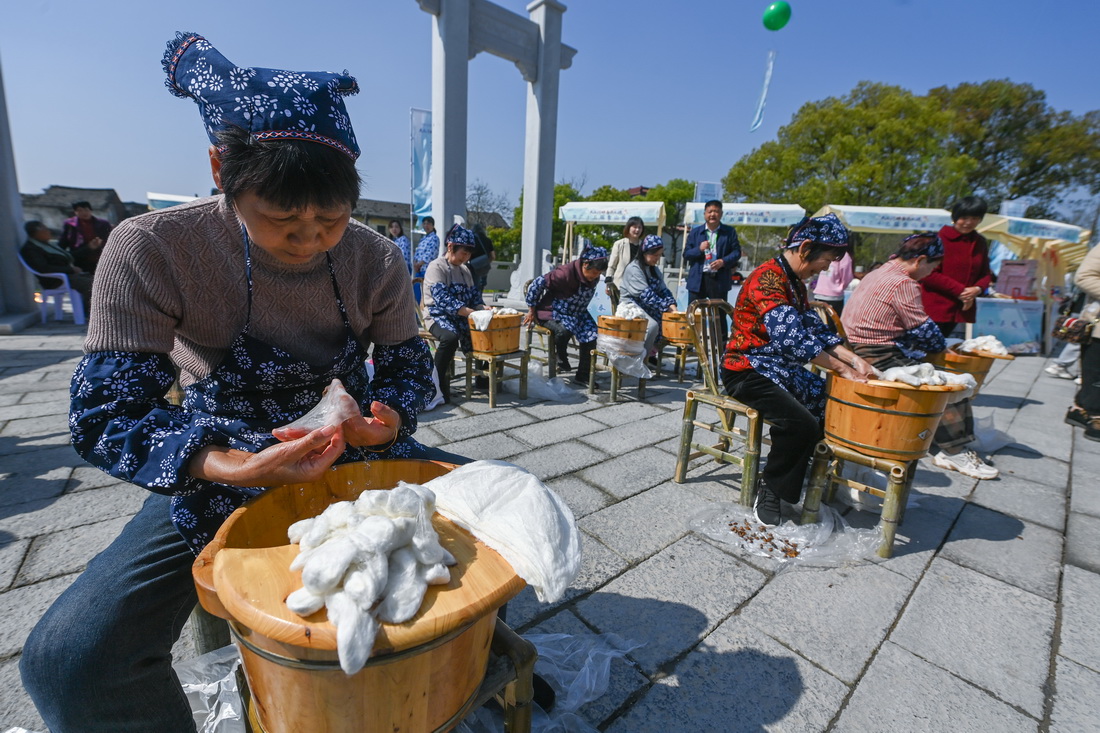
[
  {"x": 967, "y": 463},
  {"x": 1077, "y": 381},
  {"x": 1057, "y": 370}
]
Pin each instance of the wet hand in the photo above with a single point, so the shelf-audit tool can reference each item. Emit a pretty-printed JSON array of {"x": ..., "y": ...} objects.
[
  {"x": 293, "y": 461},
  {"x": 380, "y": 429}
]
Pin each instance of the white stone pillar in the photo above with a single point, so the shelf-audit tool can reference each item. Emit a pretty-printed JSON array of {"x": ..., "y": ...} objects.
[
  {"x": 450, "y": 86},
  {"x": 15, "y": 294},
  {"x": 540, "y": 147}
]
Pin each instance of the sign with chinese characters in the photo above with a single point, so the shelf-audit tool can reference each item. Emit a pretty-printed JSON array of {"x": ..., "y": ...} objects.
[{"x": 1018, "y": 324}]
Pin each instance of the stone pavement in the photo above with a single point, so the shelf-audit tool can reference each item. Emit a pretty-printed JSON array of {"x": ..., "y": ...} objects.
[{"x": 984, "y": 620}]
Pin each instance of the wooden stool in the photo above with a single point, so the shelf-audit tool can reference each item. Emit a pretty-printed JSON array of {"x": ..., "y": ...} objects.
[
  {"x": 541, "y": 339},
  {"x": 616, "y": 375},
  {"x": 498, "y": 363}
]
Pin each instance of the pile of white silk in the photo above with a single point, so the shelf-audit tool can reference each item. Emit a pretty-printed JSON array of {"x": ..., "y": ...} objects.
[
  {"x": 988, "y": 344},
  {"x": 481, "y": 319},
  {"x": 629, "y": 309},
  {"x": 919, "y": 374},
  {"x": 367, "y": 561}
]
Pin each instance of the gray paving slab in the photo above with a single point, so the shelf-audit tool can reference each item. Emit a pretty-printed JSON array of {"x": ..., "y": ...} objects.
[
  {"x": 487, "y": 424},
  {"x": 551, "y": 410},
  {"x": 85, "y": 478},
  {"x": 903, "y": 692},
  {"x": 599, "y": 565},
  {"x": 1032, "y": 466},
  {"x": 739, "y": 681},
  {"x": 11, "y": 558},
  {"x": 625, "y": 412},
  {"x": 582, "y": 497},
  {"x": 675, "y": 598},
  {"x": 1032, "y": 502},
  {"x": 1083, "y": 541},
  {"x": 10, "y": 399},
  {"x": 1022, "y": 554},
  {"x": 557, "y": 460},
  {"x": 16, "y": 708},
  {"x": 641, "y": 525},
  {"x": 547, "y": 432},
  {"x": 67, "y": 551},
  {"x": 672, "y": 445},
  {"x": 36, "y": 410},
  {"x": 991, "y": 634},
  {"x": 427, "y": 436},
  {"x": 1075, "y": 702},
  {"x": 71, "y": 510},
  {"x": 634, "y": 435},
  {"x": 32, "y": 433},
  {"x": 630, "y": 473},
  {"x": 1080, "y": 634},
  {"x": 22, "y": 607},
  {"x": 487, "y": 447},
  {"x": 935, "y": 481},
  {"x": 1085, "y": 498},
  {"x": 21, "y": 486},
  {"x": 917, "y": 541},
  {"x": 624, "y": 678},
  {"x": 863, "y": 602}
]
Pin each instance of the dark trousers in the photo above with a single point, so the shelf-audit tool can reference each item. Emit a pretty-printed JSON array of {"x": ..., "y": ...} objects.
[
  {"x": 1088, "y": 397},
  {"x": 948, "y": 328},
  {"x": 445, "y": 351},
  {"x": 100, "y": 659},
  {"x": 561, "y": 348},
  {"x": 713, "y": 288},
  {"x": 794, "y": 430}
]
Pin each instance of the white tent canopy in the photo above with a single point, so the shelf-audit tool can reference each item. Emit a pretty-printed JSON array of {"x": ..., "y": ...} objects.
[
  {"x": 763, "y": 215},
  {"x": 888, "y": 219},
  {"x": 1014, "y": 226},
  {"x": 613, "y": 212}
]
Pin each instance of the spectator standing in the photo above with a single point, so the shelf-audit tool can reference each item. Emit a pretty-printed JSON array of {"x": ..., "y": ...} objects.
[
  {"x": 832, "y": 283},
  {"x": 397, "y": 234},
  {"x": 84, "y": 235},
  {"x": 428, "y": 249},
  {"x": 625, "y": 250},
  {"x": 1085, "y": 411},
  {"x": 714, "y": 253},
  {"x": 949, "y": 293},
  {"x": 43, "y": 255},
  {"x": 484, "y": 254}
]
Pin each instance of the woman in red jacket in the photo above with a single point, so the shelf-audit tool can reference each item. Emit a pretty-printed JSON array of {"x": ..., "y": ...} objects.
[{"x": 948, "y": 294}]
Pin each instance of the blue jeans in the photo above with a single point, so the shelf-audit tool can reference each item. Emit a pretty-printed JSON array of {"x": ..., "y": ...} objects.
[{"x": 100, "y": 659}]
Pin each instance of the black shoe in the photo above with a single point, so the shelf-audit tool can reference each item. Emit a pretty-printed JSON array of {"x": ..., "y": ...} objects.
[
  {"x": 481, "y": 382},
  {"x": 1077, "y": 416},
  {"x": 766, "y": 507},
  {"x": 564, "y": 366},
  {"x": 652, "y": 362},
  {"x": 581, "y": 380},
  {"x": 1092, "y": 430},
  {"x": 544, "y": 695}
]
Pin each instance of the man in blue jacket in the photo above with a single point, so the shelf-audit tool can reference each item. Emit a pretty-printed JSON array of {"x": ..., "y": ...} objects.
[{"x": 714, "y": 253}]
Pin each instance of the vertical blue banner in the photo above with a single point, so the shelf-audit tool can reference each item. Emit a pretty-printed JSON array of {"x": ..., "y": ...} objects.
[{"x": 421, "y": 162}]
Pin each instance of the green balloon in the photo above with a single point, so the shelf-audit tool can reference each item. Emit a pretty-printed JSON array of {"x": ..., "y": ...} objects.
[{"x": 777, "y": 15}]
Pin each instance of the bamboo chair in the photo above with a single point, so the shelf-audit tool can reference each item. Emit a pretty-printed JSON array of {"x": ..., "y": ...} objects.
[
  {"x": 705, "y": 317},
  {"x": 831, "y": 318}
]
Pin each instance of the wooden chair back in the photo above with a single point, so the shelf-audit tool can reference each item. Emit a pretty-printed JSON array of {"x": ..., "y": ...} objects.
[
  {"x": 706, "y": 318},
  {"x": 830, "y": 317},
  {"x": 613, "y": 293}
]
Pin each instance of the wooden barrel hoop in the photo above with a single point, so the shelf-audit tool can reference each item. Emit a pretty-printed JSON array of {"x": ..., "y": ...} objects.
[
  {"x": 631, "y": 329},
  {"x": 676, "y": 329}
]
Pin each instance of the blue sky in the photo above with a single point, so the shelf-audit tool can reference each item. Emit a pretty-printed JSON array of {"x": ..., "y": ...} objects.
[{"x": 657, "y": 89}]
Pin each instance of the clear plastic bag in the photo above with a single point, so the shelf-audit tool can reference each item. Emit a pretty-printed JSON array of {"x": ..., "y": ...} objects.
[
  {"x": 540, "y": 387},
  {"x": 829, "y": 542},
  {"x": 987, "y": 437},
  {"x": 210, "y": 683},
  {"x": 626, "y": 355},
  {"x": 336, "y": 405}
]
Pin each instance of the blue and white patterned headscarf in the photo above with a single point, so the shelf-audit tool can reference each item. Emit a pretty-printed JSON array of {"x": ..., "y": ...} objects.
[
  {"x": 461, "y": 237},
  {"x": 591, "y": 254},
  {"x": 652, "y": 242},
  {"x": 271, "y": 104},
  {"x": 912, "y": 247},
  {"x": 819, "y": 230}
]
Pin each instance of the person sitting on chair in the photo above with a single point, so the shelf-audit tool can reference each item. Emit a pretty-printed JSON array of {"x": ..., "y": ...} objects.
[
  {"x": 888, "y": 326},
  {"x": 41, "y": 255},
  {"x": 559, "y": 301},
  {"x": 644, "y": 285},
  {"x": 775, "y": 333},
  {"x": 450, "y": 296}
]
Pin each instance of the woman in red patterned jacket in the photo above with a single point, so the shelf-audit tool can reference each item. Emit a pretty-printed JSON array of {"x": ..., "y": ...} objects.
[
  {"x": 775, "y": 333},
  {"x": 948, "y": 293}
]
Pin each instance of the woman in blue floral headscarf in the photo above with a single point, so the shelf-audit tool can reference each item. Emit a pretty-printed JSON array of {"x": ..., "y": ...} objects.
[
  {"x": 775, "y": 333},
  {"x": 644, "y": 285}
]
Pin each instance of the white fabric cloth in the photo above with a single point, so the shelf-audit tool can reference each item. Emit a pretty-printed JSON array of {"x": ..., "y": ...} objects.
[
  {"x": 517, "y": 515},
  {"x": 918, "y": 374},
  {"x": 629, "y": 309},
  {"x": 988, "y": 344},
  {"x": 481, "y": 318}
]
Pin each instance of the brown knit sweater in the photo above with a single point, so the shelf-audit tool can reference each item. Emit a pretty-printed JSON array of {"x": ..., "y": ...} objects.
[{"x": 173, "y": 281}]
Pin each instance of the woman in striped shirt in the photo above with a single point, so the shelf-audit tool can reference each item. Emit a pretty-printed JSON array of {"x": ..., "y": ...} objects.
[{"x": 887, "y": 326}]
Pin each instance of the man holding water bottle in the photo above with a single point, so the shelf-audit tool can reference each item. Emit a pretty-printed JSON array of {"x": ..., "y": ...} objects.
[{"x": 714, "y": 252}]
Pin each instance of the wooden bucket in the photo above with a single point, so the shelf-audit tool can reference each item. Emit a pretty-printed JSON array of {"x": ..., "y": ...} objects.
[
  {"x": 963, "y": 363},
  {"x": 631, "y": 329},
  {"x": 502, "y": 336},
  {"x": 884, "y": 419},
  {"x": 422, "y": 675},
  {"x": 676, "y": 329}
]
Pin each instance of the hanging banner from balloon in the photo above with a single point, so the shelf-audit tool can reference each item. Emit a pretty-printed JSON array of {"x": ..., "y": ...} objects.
[{"x": 759, "y": 116}]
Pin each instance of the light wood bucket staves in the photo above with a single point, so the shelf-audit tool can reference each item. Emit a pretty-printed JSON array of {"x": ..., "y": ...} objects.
[
  {"x": 502, "y": 336},
  {"x": 884, "y": 419},
  {"x": 631, "y": 329},
  {"x": 977, "y": 363},
  {"x": 422, "y": 675},
  {"x": 676, "y": 329}
]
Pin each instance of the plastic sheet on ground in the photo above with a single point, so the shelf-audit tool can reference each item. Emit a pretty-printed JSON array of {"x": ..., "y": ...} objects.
[
  {"x": 626, "y": 355},
  {"x": 579, "y": 670},
  {"x": 988, "y": 438},
  {"x": 210, "y": 683},
  {"x": 539, "y": 387},
  {"x": 829, "y": 542}
]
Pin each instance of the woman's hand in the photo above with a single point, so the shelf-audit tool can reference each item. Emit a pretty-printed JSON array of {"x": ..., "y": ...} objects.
[
  {"x": 671, "y": 308},
  {"x": 851, "y": 373},
  {"x": 378, "y": 430},
  {"x": 863, "y": 368},
  {"x": 529, "y": 317},
  {"x": 294, "y": 461},
  {"x": 967, "y": 296}
]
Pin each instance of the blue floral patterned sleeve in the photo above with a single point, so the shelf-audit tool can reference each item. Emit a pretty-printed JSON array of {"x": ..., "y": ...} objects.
[
  {"x": 428, "y": 249},
  {"x": 799, "y": 337},
  {"x": 820, "y": 331},
  {"x": 535, "y": 291},
  {"x": 121, "y": 423},
  {"x": 403, "y": 380},
  {"x": 656, "y": 297},
  {"x": 446, "y": 300},
  {"x": 922, "y": 340}
]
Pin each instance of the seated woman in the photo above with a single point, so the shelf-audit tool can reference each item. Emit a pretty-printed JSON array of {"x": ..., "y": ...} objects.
[
  {"x": 644, "y": 285},
  {"x": 775, "y": 333},
  {"x": 887, "y": 326},
  {"x": 450, "y": 295},
  {"x": 559, "y": 300}
]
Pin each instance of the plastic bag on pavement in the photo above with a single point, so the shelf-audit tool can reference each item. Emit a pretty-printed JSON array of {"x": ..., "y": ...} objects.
[
  {"x": 336, "y": 405},
  {"x": 579, "y": 670},
  {"x": 987, "y": 437},
  {"x": 541, "y": 388},
  {"x": 210, "y": 683},
  {"x": 626, "y": 355},
  {"x": 829, "y": 542}
]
